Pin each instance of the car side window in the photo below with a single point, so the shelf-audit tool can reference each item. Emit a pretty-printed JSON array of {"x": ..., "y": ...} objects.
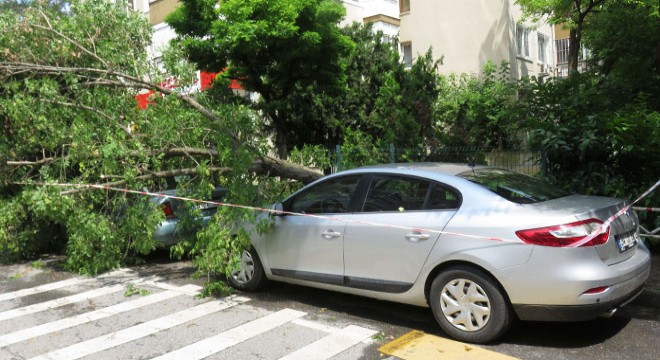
[
  {"x": 393, "y": 193},
  {"x": 442, "y": 197},
  {"x": 332, "y": 196},
  {"x": 398, "y": 193}
]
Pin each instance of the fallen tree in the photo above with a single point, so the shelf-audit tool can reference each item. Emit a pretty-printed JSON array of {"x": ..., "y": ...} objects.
[{"x": 68, "y": 77}]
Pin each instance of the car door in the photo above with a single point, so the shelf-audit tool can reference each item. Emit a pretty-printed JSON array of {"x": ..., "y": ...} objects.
[
  {"x": 308, "y": 247},
  {"x": 387, "y": 258}
]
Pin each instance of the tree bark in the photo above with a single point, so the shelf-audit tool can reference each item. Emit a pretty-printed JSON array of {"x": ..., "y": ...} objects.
[
  {"x": 264, "y": 165},
  {"x": 574, "y": 49}
]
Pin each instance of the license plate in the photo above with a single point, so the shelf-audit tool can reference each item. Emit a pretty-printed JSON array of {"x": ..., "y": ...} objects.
[
  {"x": 626, "y": 241},
  {"x": 204, "y": 206}
]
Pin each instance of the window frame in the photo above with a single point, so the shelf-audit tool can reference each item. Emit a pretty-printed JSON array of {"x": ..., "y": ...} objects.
[
  {"x": 542, "y": 43},
  {"x": 406, "y": 56},
  {"x": 432, "y": 185},
  {"x": 522, "y": 41},
  {"x": 289, "y": 203},
  {"x": 404, "y": 6}
]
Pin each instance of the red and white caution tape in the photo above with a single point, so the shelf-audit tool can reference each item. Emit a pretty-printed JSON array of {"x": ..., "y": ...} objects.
[
  {"x": 609, "y": 221},
  {"x": 602, "y": 228}
]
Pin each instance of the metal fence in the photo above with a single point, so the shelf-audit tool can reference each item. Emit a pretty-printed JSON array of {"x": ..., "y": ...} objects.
[
  {"x": 518, "y": 159},
  {"x": 643, "y": 231}
]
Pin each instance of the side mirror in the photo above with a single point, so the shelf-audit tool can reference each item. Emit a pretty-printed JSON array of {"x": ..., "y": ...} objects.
[{"x": 278, "y": 208}]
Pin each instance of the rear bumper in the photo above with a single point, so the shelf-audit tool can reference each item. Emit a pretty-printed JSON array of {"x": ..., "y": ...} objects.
[
  {"x": 573, "y": 312},
  {"x": 168, "y": 232},
  {"x": 553, "y": 285}
]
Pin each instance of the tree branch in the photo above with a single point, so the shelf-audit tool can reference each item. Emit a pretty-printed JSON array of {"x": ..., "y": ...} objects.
[
  {"x": 154, "y": 175},
  {"x": 95, "y": 110},
  {"x": 264, "y": 165},
  {"x": 73, "y": 42}
]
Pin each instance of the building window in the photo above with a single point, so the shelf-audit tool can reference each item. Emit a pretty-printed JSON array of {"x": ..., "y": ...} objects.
[
  {"x": 543, "y": 42},
  {"x": 404, "y": 6},
  {"x": 406, "y": 51},
  {"x": 562, "y": 51},
  {"x": 522, "y": 40}
]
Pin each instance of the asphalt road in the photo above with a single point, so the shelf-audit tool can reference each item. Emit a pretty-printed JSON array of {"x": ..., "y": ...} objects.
[{"x": 633, "y": 333}]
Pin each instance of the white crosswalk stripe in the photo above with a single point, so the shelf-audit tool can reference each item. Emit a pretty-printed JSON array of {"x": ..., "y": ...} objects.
[
  {"x": 31, "y": 309},
  {"x": 212, "y": 345},
  {"x": 332, "y": 344},
  {"x": 170, "y": 317},
  {"x": 69, "y": 322},
  {"x": 40, "y": 289},
  {"x": 117, "y": 338}
]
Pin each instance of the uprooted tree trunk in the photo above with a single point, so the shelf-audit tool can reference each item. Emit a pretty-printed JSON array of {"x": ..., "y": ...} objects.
[{"x": 68, "y": 116}]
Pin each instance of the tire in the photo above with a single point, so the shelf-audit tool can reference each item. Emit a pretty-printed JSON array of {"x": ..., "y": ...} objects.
[
  {"x": 469, "y": 306},
  {"x": 250, "y": 276}
]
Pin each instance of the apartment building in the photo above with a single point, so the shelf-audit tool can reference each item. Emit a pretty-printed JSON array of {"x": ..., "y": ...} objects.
[
  {"x": 561, "y": 52},
  {"x": 383, "y": 14},
  {"x": 469, "y": 33}
]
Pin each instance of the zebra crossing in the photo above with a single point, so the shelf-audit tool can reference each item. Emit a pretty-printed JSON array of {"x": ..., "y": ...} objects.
[{"x": 97, "y": 318}]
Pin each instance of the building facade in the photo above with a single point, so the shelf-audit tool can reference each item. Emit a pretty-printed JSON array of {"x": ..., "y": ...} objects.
[
  {"x": 383, "y": 14},
  {"x": 469, "y": 33},
  {"x": 561, "y": 52}
]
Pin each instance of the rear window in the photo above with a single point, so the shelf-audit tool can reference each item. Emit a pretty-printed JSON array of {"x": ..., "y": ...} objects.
[{"x": 515, "y": 187}]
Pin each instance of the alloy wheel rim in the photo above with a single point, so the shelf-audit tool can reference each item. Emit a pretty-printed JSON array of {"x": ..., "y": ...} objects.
[
  {"x": 465, "y": 305},
  {"x": 246, "y": 271}
]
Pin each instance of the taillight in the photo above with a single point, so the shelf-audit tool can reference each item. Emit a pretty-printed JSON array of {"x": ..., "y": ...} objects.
[
  {"x": 566, "y": 235},
  {"x": 596, "y": 290},
  {"x": 167, "y": 210}
]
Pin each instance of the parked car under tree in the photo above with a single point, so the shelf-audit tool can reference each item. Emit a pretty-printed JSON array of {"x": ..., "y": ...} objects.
[
  {"x": 479, "y": 245},
  {"x": 170, "y": 231}
]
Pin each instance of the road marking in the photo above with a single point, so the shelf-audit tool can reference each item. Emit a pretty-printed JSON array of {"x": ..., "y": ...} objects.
[
  {"x": 316, "y": 326},
  {"x": 40, "y": 289},
  {"x": 188, "y": 289},
  {"x": 70, "y": 322},
  {"x": 47, "y": 305},
  {"x": 117, "y": 338},
  {"x": 229, "y": 338},
  {"x": 332, "y": 344},
  {"x": 119, "y": 274},
  {"x": 420, "y": 346},
  {"x": 325, "y": 328}
]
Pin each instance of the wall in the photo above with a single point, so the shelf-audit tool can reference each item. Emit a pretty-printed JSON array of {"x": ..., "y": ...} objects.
[{"x": 468, "y": 33}]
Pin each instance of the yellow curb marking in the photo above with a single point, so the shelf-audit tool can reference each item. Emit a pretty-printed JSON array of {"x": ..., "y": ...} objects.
[{"x": 417, "y": 345}]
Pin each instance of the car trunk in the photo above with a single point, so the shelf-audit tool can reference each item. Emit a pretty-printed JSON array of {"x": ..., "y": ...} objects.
[{"x": 624, "y": 230}]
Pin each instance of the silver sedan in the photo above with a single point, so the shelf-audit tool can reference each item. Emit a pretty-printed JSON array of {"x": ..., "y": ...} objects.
[{"x": 481, "y": 246}]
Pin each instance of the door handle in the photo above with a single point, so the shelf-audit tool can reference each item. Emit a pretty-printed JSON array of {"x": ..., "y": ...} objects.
[
  {"x": 415, "y": 237},
  {"x": 329, "y": 234}
]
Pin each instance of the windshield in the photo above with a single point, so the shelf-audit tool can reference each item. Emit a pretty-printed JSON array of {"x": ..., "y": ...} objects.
[{"x": 515, "y": 187}]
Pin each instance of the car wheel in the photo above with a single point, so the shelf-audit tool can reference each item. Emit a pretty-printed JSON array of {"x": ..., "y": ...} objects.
[
  {"x": 250, "y": 276},
  {"x": 469, "y": 306}
]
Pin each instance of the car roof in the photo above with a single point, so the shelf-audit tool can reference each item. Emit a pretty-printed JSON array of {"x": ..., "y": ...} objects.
[{"x": 435, "y": 167}]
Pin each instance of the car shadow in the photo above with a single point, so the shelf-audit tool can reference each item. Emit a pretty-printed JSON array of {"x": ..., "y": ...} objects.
[
  {"x": 159, "y": 264},
  {"x": 278, "y": 294},
  {"x": 542, "y": 334},
  {"x": 563, "y": 334},
  {"x": 402, "y": 318}
]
